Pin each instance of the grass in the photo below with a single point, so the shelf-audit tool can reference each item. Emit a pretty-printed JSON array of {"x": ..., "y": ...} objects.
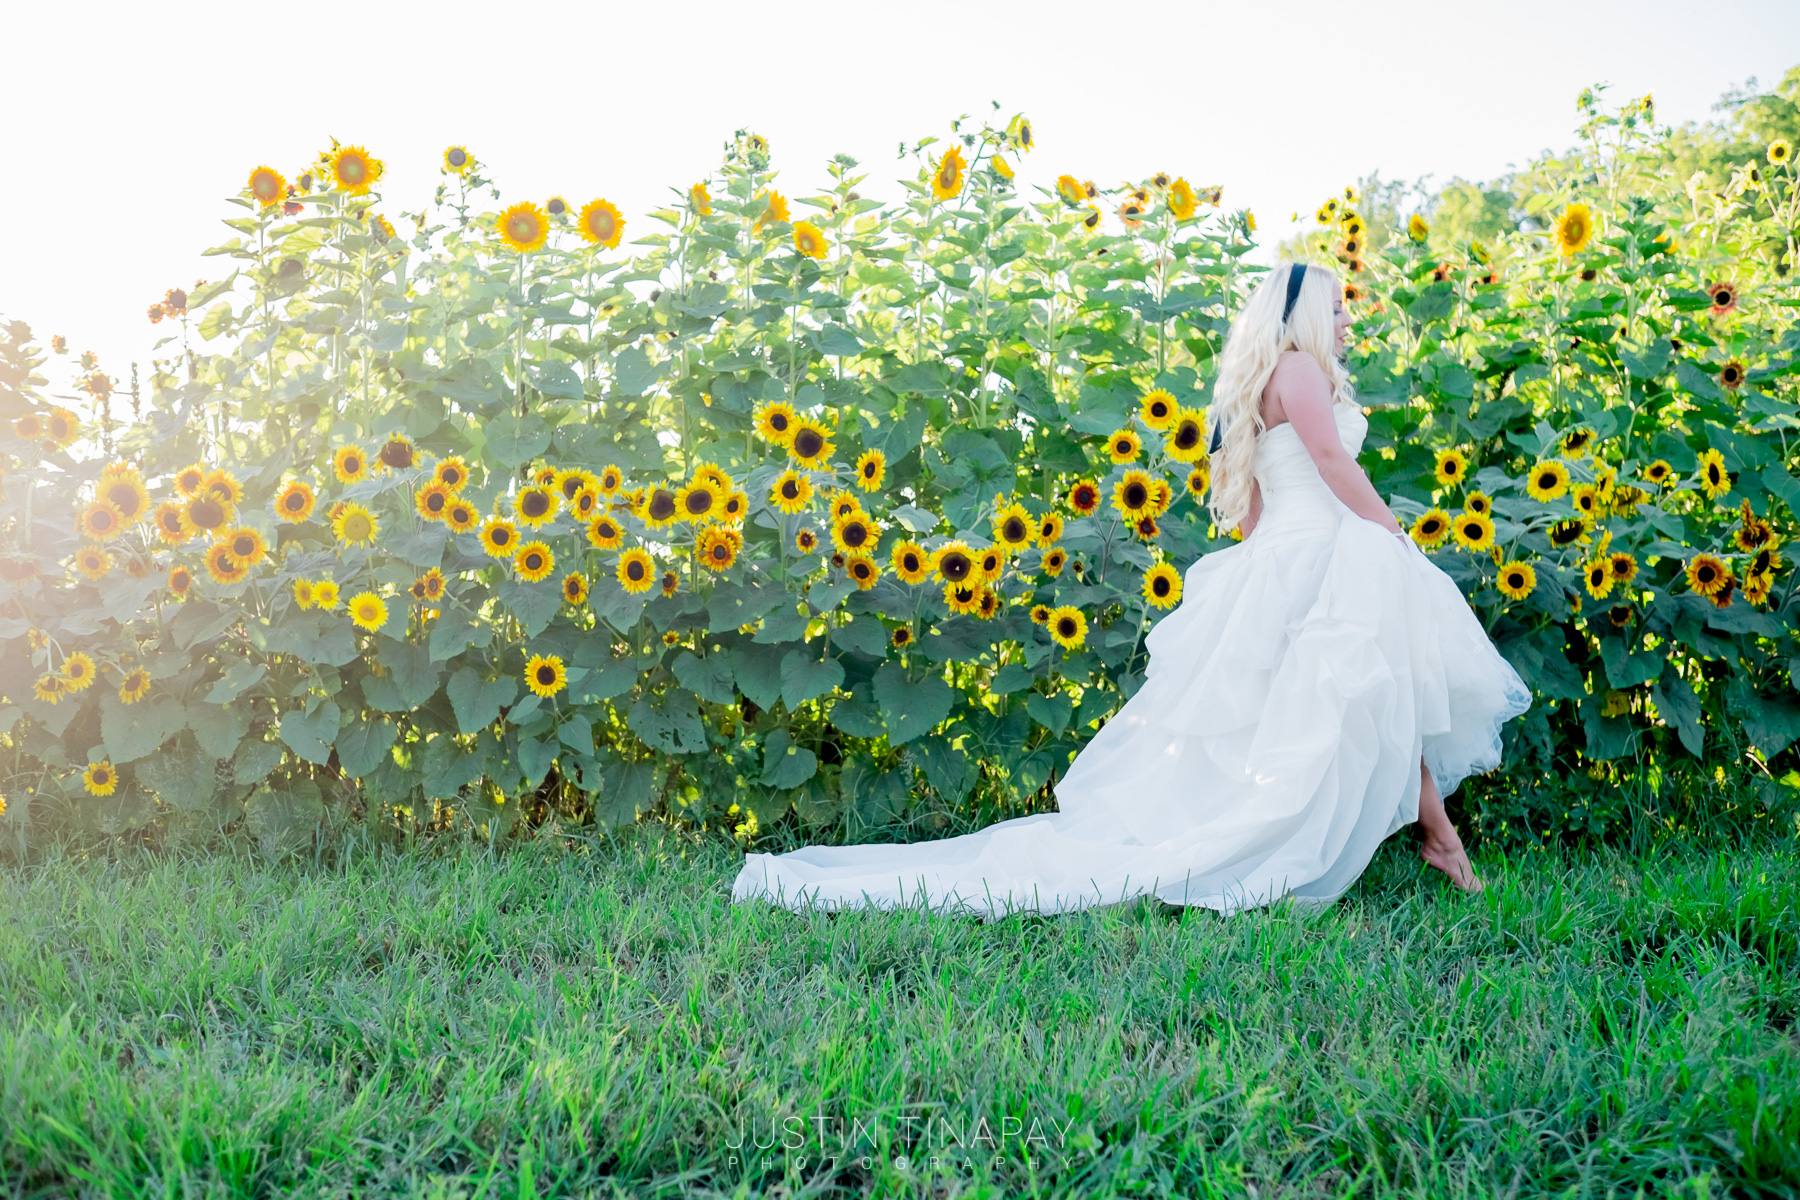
[{"x": 596, "y": 1019}]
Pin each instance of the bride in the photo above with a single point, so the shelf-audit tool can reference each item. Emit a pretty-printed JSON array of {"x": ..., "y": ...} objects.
[{"x": 1320, "y": 685}]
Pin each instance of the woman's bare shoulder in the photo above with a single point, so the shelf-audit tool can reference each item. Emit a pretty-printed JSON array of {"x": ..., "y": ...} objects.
[{"x": 1295, "y": 366}]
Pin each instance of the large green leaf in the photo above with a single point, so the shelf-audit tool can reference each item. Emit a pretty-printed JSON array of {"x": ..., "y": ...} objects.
[
  {"x": 311, "y": 736},
  {"x": 362, "y": 745},
  {"x": 132, "y": 731},
  {"x": 709, "y": 677},
  {"x": 184, "y": 777},
  {"x": 804, "y": 677},
  {"x": 786, "y": 765},
  {"x": 911, "y": 707},
  {"x": 476, "y": 702},
  {"x": 512, "y": 439}
]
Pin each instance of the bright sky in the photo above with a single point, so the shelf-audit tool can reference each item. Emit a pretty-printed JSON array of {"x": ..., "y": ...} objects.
[{"x": 131, "y": 121}]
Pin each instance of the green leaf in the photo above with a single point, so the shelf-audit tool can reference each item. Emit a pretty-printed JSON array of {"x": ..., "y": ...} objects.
[
  {"x": 362, "y": 745},
  {"x": 535, "y": 604},
  {"x": 874, "y": 798},
  {"x": 633, "y": 372},
  {"x": 283, "y": 822},
  {"x": 804, "y": 677},
  {"x": 617, "y": 607},
  {"x": 184, "y": 777},
  {"x": 558, "y": 379},
  {"x": 536, "y": 756},
  {"x": 865, "y": 635},
  {"x": 476, "y": 703},
  {"x": 1693, "y": 379},
  {"x": 1680, "y": 707},
  {"x": 1052, "y": 712},
  {"x": 232, "y": 684},
  {"x": 672, "y": 725},
  {"x": 911, "y": 707},
  {"x": 218, "y": 728},
  {"x": 448, "y": 768},
  {"x": 786, "y": 765},
  {"x": 758, "y": 672},
  {"x": 311, "y": 737},
  {"x": 415, "y": 676},
  {"x": 134, "y": 731},
  {"x": 253, "y": 760},
  {"x": 710, "y": 677},
  {"x": 735, "y": 604},
  {"x": 1651, "y": 361},
  {"x": 625, "y": 791},
  {"x": 836, "y": 340},
  {"x": 512, "y": 439},
  {"x": 950, "y": 772},
  {"x": 1011, "y": 678},
  {"x": 857, "y": 714}
]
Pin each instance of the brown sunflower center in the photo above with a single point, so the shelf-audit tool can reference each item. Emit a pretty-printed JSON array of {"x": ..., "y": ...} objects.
[
  {"x": 1187, "y": 435},
  {"x": 699, "y": 500},
  {"x": 546, "y": 675},
  {"x": 662, "y": 505},
  {"x": 808, "y": 443},
  {"x": 956, "y": 566},
  {"x": 855, "y": 533},
  {"x": 397, "y": 454},
  {"x": 1136, "y": 495}
]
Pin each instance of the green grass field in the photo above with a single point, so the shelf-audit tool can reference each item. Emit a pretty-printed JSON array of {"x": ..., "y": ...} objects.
[{"x": 576, "y": 1019}]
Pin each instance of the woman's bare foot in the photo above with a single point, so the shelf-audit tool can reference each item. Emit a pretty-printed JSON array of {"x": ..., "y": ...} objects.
[{"x": 1446, "y": 854}]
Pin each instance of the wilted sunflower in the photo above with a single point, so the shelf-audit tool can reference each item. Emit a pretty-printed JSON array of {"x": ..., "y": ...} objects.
[
  {"x": 911, "y": 562},
  {"x": 1573, "y": 229},
  {"x": 524, "y": 227},
  {"x": 947, "y": 176},
  {"x": 100, "y": 779},
  {"x": 601, "y": 223},
  {"x": 246, "y": 546},
  {"x": 1452, "y": 467},
  {"x": 1186, "y": 439},
  {"x": 700, "y": 200},
  {"x": 1732, "y": 374},
  {"x": 101, "y": 520},
  {"x": 267, "y": 186},
  {"x": 810, "y": 240},
  {"x": 172, "y": 524},
  {"x": 433, "y": 501},
  {"x": 1068, "y": 626},
  {"x": 1516, "y": 580},
  {"x": 49, "y": 688},
  {"x": 1123, "y": 446},
  {"x": 871, "y": 469},
  {"x": 1473, "y": 531},
  {"x": 637, "y": 571},
  {"x": 1547, "y": 481},
  {"x": 1707, "y": 574},
  {"x": 135, "y": 686},
  {"x": 854, "y": 533},
  {"x": 355, "y": 525},
  {"x": 1132, "y": 495},
  {"x": 811, "y": 443},
  {"x": 545, "y": 675},
  {"x": 93, "y": 562},
  {"x": 350, "y": 464},
  {"x": 1162, "y": 586},
  {"x": 1575, "y": 443},
  {"x": 223, "y": 565},
  {"x": 534, "y": 561},
  {"x": 1084, "y": 496},
  {"x": 1432, "y": 527},
  {"x": 294, "y": 502},
  {"x": 1567, "y": 533},
  {"x": 1714, "y": 478},
  {"x": 1754, "y": 533},
  {"x": 397, "y": 453}
]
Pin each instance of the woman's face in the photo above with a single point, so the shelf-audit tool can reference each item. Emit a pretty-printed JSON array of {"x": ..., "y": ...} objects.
[{"x": 1340, "y": 323}]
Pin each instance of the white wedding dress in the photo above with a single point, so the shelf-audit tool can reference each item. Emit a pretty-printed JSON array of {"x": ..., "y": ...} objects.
[{"x": 1274, "y": 744}]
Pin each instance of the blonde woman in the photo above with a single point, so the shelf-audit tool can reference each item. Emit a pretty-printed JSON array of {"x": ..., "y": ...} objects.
[{"x": 1321, "y": 685}]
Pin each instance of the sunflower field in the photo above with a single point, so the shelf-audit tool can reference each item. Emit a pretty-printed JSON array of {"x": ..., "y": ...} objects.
[{"x": 853, "y": 509}]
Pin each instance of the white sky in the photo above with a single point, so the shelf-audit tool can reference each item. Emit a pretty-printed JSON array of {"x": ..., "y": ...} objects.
[{"x": 130, "y": 122}]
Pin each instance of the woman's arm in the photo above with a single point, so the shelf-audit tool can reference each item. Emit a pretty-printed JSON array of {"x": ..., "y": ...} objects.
[
  {"x": 1248, "y": 524},
  {"x": 1304, "y": 396}
]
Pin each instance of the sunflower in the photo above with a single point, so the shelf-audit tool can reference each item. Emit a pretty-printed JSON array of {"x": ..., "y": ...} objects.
[
  {"x": 1722, "y": 597},
  {"x": 325, "y": 594},
  {"x": 246, "y": 545},
  {"x": 671, "y": 583},
  {"x": 28, "y": 428},
  {"x": 911, "y": 561},
  {"x": 810, "y": 240},
  {"x": 1479, "y": 502},
  {"x": 458, "y": 160},
  {"x": 368, "y": 611},
  {"x": 78, "y": 672},
  {"x": 49, "y": 688},
  {"x": 1049, "y": 530},
  {"x": 1659, "y": 472},
  {"x": 1548, "y": 480},
  {"x": 124, "y": 487},
  {"x": 181, "y": 582},
  {"x": 776, "y": 421},
  {"x": 1586, "y": 499},
  {"x": 1162, "y": 586},
  {"x": 1623, "y": 567},
  {"x": 901, "y": 638},
  {"x": 1181, "y": 200},
  {"x": 430, "y": 586},
  {"x": 1754, "y": 534},
  {"x": 350, "y": 464},
  {"x": 1516, "y": 580},
  {"x": 863, "y": 569},
  {"x": 1597, "y": 575},
  {"x": 1001, "y": 167},
  {"x": 303, "y": 594},
  {"x": 1473, "y": 531},
  {"x": 102, "y": 521},
  {"x": 353, "y": 170},
  {"x": 545, "y": 476},
  {"x": 1431, "y": 528},
  {"x": 775, "y": 209},
  {"x": 1732, "y": 374},
  {"x": 811, "y": 443},
  {"x": 990, "y": 564},
  {"x": 534, "y": 561},
  {"x": 1724, "y": 296},
  {"x": 1069, "y": 189},
  {"x": 1452, "y": 467},
  {"x": 637, "y": 571},
  {"x": 1054, "y": 562},
  {"x": 700, "y": 200},
  {"x": 172, "y": 524},
  {"x": 575, "y": 588},
  {"x": 791, "y": 491},
  {"x": 964, "y": 597},
  {"x": 1715, "y": 480},
  {"x": 854, "y": 533},
  {"x": 947, "y": 176},
  {"x": 1067, "y": 626},
  {"x": 460, "y": 515},
  {"x": 536, "y": 505},
  {"x": 452, "y": 472},
  {"x": 871, "y": 469},
  {"x": 1014, "y": 528},
  {"x": 1158, "y": 409},
  {"x": 697, "y": 502},
  {"x": 1567, "y": 533},
  {"x": 844, "y": 504},
  {"x": 988, "y": 604},
  {"x": 1186, "y": 440},
  {"x": 1084, "y": 496},
  {"x": 1707, "y": 574},
  {"x": 524, "y": 227},
  {"x": 267, "y": 186},
  {"x": 62, "y": 427},
  {"x": 93, "y": 562},
  {"x": 1573, "y": 229},
  {"x": 545, "y": 675},
  {"x": 953, "y": 562},
  {"x": 223, "y": 565},
  {"x": 100, "y": 779},
  {"x": 584, "y": 505},
  {"x": 1123, "y": 446},
  {"x": 294, "y": 502},
  {"x": 354, "y": 525},
  {"x": 499, "y": 537},
  {"x": 135, "y": 686},
  {"x": 433, "y": 501},
  {"x": 717, "y": 547},
  {"x": 1133, "y": 496},
  {"x": 1575, "y": 443}
]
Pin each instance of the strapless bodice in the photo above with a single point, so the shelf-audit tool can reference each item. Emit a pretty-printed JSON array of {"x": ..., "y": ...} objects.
[{"x": 1294, "y": 495}]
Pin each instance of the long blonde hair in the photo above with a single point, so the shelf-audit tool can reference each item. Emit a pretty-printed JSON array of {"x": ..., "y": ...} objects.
[{"x": 1256, "y": 342}]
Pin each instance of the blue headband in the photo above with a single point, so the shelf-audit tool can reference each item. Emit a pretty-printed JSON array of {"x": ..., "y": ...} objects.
[{"x": 1296, "y": 276}]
